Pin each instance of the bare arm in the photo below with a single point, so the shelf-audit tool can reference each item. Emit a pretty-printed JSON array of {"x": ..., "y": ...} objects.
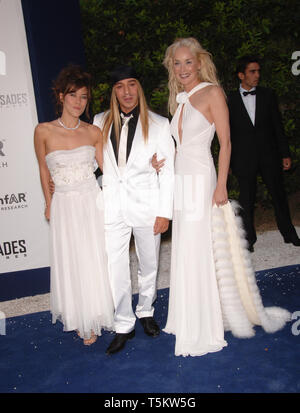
[
  {"x": 220, "y": 114},
  {"x": 165, "y": 151},
  {"x": 40, "y": 150}
]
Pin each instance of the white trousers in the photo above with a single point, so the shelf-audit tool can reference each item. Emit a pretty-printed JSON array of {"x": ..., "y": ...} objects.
[{"x": 147, "y": 246}]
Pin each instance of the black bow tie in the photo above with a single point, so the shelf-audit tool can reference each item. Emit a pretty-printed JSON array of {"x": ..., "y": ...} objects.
[{"x": 252, "y": 92}]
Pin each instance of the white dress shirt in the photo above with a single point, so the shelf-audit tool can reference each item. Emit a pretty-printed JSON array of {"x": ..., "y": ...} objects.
[{"x": 249, "y": 102}]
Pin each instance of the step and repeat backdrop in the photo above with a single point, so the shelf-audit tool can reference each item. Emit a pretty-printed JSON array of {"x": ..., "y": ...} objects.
[
  {"x": 23, "y": 228},
  {"x": 33, "y": 35}
]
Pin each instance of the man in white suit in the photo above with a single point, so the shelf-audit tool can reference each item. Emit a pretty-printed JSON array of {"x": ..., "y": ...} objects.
[{"x": 137, "y": 199}]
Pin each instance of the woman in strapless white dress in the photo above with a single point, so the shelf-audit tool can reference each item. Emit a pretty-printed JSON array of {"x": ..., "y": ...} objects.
[
  {"x": 212, "y": 283},
  {"x": 66, "y": 148}
]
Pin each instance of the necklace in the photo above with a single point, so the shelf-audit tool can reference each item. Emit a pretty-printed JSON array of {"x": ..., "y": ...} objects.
[{"x": 65, "y": 127}]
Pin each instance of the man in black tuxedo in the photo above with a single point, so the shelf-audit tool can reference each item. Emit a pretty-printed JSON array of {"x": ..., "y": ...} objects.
[{"x": 259, "y": 146}]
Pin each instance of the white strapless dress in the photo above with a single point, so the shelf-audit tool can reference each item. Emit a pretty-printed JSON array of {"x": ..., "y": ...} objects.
[
  {"x": 80, "y": 295},
  {"x": 212, "y": 282}
]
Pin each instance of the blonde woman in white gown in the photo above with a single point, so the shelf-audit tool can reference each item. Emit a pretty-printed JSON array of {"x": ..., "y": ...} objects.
[
  {"x": 66, "y": 148},
  {"x": 201, "y": 304}
]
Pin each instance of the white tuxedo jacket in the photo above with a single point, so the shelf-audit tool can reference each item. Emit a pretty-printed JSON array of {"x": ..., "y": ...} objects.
[{"x": 139, "y": 194}]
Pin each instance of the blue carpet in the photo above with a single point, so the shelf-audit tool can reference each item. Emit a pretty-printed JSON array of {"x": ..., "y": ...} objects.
[{"x": 37, "y": 356}]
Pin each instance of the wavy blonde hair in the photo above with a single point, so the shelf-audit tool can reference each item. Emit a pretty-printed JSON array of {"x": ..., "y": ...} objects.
[
  {"x": 112, "y": 116},
  {"x": 206, "y": 73}
]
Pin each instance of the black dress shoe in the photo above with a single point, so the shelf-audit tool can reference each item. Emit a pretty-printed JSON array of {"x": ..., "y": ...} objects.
[
  {"x": 293, "y": 240},
  {"x": 150, "y": 326},
  {"x": 119, "y": 342}
]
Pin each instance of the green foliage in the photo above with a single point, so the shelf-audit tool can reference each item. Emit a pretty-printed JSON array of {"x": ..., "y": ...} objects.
[{"x": 139, "y": 31}]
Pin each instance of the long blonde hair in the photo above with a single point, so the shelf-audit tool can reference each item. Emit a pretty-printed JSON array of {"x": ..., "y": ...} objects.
[
  {"x": 112, "y": 116},
  {"x": 206, "y": 73}
]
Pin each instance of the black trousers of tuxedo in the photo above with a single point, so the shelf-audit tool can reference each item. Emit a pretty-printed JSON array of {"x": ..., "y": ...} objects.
[{"x": 273, "y": 179}]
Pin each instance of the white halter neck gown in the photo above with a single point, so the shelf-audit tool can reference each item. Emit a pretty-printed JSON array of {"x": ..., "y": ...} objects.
[
  {"x": 194, "y": 306},
  {"x": 212, "y": 283}
]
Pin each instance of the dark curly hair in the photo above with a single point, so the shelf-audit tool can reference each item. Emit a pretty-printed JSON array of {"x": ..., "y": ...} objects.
[
  {"x": 244, "y": 61},
  {"x": 70, "y": 79}
]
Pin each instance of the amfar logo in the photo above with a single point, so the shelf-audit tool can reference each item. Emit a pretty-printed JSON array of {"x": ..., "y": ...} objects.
[
  {"x": 2, "y": 63},
  {"x": 13, "y": 201},
  {"x": 9, "y": 249}
]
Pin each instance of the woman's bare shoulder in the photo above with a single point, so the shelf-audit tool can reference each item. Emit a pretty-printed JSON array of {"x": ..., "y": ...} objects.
[
  {"x": 43, "y": 130},
  {"x": 93, "y": 130},
  {"x": 45, "y": 127},
  {"x": 215, "y": 91}
]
